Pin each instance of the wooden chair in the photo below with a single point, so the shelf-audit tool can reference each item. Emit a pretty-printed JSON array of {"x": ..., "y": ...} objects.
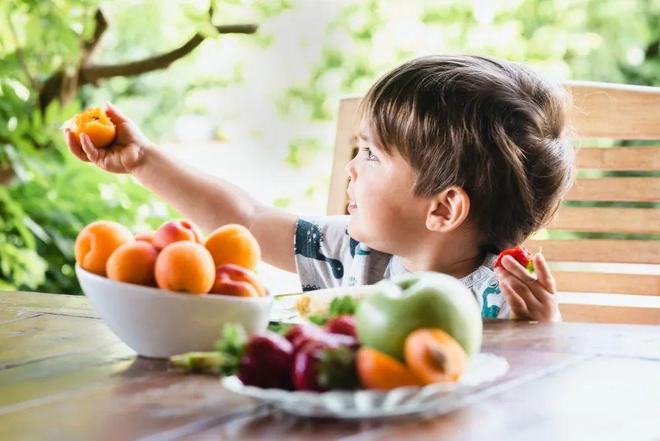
[{"x": 614, "y": 200}]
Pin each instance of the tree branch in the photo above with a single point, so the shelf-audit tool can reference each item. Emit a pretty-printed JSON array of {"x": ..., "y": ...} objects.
[
  {"x": 93, "y": 73},
  {"x": 89, "y": 46}
]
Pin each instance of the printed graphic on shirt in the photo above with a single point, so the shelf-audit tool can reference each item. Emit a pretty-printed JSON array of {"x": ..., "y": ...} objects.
[
  {"x": 492, "y": 300},
  {"x": 309, "y": 238}
]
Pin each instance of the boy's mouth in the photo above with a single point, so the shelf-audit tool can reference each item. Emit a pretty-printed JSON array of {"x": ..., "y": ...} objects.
[{"x": 351, "y": 201}]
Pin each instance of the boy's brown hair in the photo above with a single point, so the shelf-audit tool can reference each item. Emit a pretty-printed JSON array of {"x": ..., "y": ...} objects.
[{"x": 492, "y": 127}]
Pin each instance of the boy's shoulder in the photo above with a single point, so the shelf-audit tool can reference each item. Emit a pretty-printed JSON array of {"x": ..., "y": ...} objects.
[
  {"x": 327, "y": 256},
  {"x": 485, "y": 286}
]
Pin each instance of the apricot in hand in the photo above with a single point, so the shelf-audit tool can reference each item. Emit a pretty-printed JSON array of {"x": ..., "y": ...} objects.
[{"x": 96, "y": 124}]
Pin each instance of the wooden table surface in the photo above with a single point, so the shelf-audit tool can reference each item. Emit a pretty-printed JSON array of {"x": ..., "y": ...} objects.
[{"x": 64, "y": 375}]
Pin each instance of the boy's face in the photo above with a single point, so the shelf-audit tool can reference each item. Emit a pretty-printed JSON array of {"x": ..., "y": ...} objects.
[{"x": 385, "y": 214}]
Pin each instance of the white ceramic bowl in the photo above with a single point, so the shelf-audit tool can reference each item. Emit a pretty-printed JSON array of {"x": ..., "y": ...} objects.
[{"x": 158, "y": 323}]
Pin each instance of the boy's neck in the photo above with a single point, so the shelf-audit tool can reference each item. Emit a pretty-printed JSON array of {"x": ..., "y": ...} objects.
[
  {"x": 463, "y": 259},
  {"x": 457, "y": 268}
]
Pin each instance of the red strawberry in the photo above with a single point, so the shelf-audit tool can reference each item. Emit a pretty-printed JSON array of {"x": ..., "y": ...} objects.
[{"x": 521, "y": 254}]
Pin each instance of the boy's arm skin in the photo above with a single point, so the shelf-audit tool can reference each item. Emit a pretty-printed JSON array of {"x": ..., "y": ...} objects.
[
  {"x": 531, "y": 297},
  {"x": 208, "y": 201}
]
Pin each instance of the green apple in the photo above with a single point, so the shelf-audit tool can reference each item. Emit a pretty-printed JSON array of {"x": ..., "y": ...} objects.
[{"x": 399, "y": 306}]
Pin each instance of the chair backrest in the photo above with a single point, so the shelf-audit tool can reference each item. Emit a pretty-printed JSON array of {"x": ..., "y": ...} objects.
[{"x": 604, "y": 243}]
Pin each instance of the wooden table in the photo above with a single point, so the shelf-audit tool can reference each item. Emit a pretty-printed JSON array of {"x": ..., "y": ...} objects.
[{"x": 64, "y": 375}]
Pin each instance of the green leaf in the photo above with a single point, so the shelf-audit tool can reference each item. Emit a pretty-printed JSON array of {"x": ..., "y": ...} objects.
[
  {"x": 231, "y": 346},
  {"x": 344, "y": 305},
  {"x": 337, "y": 369}
]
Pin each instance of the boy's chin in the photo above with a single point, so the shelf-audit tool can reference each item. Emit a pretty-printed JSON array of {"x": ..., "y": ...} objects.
[{"x": 354, "y": 230}]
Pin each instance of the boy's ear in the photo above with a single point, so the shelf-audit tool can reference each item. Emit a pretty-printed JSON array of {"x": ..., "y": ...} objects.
[{"x": 448, "y": 210}]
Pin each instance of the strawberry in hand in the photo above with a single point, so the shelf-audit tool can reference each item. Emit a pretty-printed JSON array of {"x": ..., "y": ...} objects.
[
  {"x": 527, "y": 285},
  {"x": 521, "y": 254}
]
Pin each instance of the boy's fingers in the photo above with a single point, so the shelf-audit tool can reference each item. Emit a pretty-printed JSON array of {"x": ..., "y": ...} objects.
[
  {"x": 89, "y": 149},
  {"x": 74, "y": 145},
  {"x": 515, "y": 268},
  {"x": 543, "y": 273},
  {"x": 115, "y": 114},
  {"x": 529, "y": 297},
  {"x": 517, "y": 304}
]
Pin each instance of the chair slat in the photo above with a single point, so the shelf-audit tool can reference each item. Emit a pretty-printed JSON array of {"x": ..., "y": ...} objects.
[
  {"x": 344, "y": 144},
  {"x": 613, "y": 220},
  {"x": 615, "y": 189},
  {"x": 619, "y": 158},
  {"x": 598, "y": 250},
  {"x": 609, "y": 314},
  {"x": 614, "y": 111},
  {"x": 597, "y": 282}
]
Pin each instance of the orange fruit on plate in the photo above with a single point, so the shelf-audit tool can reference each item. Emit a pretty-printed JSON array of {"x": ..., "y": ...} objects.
[
  {"x": 378, "y": 370},
  {"x": 434, "y": 356}
]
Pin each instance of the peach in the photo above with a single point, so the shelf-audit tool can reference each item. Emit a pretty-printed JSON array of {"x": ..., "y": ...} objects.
[
  {"x": 146, "y": 236},
  {"x": 133, "y": 262},
  {"x": 185, "y": 266},
  {"x": 174, "y": 231},
  {"x": 235, "y": 244},
  {"x": 235, "y": 280},
  {"x": 97, "y": 241}
]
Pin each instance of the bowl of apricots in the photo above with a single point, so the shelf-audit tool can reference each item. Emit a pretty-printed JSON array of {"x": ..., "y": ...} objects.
[{"x": 171, "y": 290}]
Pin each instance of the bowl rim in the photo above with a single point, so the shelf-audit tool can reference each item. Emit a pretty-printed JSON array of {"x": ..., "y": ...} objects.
[{"x": 152, "y": 291}]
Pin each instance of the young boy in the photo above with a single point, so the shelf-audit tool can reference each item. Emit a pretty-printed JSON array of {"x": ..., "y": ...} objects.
[{"x": 459, "y": 157}]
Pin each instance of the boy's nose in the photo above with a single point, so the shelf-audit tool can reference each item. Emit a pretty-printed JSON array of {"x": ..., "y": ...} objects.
[{"x": 350, "y": 169}]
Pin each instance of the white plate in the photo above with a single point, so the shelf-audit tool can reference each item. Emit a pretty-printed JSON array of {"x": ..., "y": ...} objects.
[{"x": 437, "y": 398}]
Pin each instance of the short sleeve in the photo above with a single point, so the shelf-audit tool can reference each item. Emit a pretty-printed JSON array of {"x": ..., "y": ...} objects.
[{"x": 323, "y": 251}]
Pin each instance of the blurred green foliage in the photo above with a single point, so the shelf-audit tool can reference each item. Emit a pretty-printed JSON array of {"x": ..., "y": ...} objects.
[{"x": 52, "y": 194}]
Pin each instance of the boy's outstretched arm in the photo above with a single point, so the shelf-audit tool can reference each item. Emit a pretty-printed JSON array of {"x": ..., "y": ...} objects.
[
  {"x": 211, "y": 202},
  {"x": 208, "y": 201}
]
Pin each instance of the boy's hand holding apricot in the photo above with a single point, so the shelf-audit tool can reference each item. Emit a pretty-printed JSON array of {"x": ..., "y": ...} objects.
[
  {"x": 106, "y": 138},
  {"x": 530, "y": 295}
]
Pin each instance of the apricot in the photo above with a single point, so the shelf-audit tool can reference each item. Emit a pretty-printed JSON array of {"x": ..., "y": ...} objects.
[
  {"x": 185, "y": 266},
  {"x": 97, "y": 241},
  {"x": 175, "y": 231},
  {"x": 96, "y": 124},
  {"x": 434, "y": 356},
  {"x": 235, "y": 280},
  {"x": 235, "y": 244},
  {"x": 146, "y": 236},
  {"x": 133, "y": 262},
  {"x": 378, "y": 370}
]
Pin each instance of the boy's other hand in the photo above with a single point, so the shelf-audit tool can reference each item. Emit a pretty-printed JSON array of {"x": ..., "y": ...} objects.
[
  {"x": 531, "y": 296},
  {"x": 122, "y": 156}
]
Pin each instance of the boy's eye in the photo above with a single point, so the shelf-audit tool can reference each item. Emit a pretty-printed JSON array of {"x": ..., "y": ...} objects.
[{"x": 369, "y": 153}]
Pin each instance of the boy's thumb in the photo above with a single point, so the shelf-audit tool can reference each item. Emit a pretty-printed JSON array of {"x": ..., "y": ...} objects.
[
  {"x": 115, "y": 114},
  {"x": 89, "y": 148}
]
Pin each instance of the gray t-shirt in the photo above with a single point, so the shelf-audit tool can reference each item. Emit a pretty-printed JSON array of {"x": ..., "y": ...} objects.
[{"x": 327, "y": 257}]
